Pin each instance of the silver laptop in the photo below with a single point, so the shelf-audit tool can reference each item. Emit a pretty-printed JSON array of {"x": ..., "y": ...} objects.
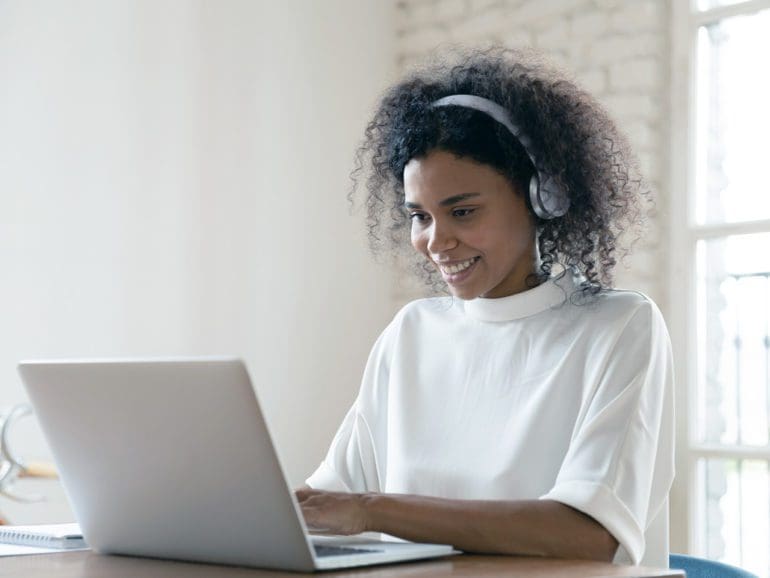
[{"x": 173, "y": 459}]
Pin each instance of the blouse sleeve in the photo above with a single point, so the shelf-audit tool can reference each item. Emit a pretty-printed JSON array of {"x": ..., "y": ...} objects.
[
  {"x": 352, "y": 463},
  {"x": 620, "y": 462}
]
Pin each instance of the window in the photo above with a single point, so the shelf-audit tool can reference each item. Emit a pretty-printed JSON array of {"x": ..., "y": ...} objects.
[{"x": 721, "y": 276}]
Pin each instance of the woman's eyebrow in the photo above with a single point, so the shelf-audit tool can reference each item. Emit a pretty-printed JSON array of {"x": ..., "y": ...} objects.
[{"x": 446, "y": 202}]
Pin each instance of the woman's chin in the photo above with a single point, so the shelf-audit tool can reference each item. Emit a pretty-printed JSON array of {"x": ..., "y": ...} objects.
[{"x": 464, "y": 293}]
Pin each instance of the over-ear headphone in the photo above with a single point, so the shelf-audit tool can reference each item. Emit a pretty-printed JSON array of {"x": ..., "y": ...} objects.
[{"x": 548, "y": 199}]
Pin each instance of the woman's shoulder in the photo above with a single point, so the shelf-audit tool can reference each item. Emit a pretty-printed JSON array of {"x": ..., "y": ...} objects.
[
  {"x": 428, "y": 306},
  {"x": 627, "y": 299},
  {"x": 628, "y": 307},
  {"x": 412, "y": 322},
  {"x": 425, "y": 314}
]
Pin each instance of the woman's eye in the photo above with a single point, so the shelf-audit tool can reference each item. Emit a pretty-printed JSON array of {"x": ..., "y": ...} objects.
[
  {"x": 462, "y": 212},
  {"x": 416, "y": 216}
]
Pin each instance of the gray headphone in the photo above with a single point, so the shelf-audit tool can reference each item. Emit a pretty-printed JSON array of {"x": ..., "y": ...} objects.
[{"x": 548, "y": 199}]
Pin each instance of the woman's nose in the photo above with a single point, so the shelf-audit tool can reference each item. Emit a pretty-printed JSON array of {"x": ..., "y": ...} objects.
[{"x": 441, "y": 238}]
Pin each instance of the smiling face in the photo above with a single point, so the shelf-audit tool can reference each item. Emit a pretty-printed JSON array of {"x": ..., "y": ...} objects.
[{"x": 472, "y": 223}]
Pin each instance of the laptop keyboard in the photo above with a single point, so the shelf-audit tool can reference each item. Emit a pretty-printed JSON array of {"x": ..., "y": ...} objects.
[{"x": 321, "y": 551}]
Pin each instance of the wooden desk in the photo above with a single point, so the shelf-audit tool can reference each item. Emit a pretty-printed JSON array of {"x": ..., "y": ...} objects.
[{"x": 90, "y": 565}]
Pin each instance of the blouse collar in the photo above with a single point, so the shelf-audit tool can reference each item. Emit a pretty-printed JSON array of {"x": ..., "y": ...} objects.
[{"x": 547, "y": 295}]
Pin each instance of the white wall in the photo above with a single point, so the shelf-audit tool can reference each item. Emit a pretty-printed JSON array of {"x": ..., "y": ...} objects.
[{"x": 173, "y": 179}]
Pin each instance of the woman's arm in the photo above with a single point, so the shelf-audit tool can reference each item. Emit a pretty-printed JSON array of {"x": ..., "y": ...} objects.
[{"x": 524, "y": 527}]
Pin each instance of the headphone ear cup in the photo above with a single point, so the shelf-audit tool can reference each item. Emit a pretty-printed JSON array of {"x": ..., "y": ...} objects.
[
  {"x": 548, "y": 201},
  {"x": 534, "y": 197}
]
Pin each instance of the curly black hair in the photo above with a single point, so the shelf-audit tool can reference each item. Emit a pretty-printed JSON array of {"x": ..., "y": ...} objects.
[{"x": 572, "y": 139}]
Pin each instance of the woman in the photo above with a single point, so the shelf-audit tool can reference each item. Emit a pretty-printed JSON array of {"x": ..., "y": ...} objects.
[{"x": 532, "y": 411}]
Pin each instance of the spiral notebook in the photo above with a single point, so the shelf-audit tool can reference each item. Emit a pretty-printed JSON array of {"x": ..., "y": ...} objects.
[{"x": 58, "y": 536}]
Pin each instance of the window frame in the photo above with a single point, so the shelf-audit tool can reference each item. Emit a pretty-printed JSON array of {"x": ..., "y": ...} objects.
[{"x": 685, "y": 233}]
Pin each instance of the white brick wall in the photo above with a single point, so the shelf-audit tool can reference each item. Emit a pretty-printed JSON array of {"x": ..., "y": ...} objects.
[{"x": 617, "y": 49}]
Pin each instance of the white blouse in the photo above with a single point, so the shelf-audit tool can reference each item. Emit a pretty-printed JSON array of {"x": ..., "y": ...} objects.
[{"x": 530, "y": 396}]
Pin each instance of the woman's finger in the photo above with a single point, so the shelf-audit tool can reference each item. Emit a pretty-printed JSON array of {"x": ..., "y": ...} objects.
[{"x": 303, "y": 494}]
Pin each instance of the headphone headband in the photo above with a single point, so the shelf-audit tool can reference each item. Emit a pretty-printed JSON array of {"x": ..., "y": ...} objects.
[{"x": 548, "y": 199}]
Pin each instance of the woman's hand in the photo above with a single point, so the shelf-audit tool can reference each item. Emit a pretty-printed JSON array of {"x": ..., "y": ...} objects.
[{"x": 333, "y": 512}]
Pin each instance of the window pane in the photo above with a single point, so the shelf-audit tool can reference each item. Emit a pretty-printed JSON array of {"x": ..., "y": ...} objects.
[
  {"x": 734, "y": 340},
  {"x": 734, "y": 499},
  {"x": 708, "y": 4},
  {"x": 733, "y": 120}
]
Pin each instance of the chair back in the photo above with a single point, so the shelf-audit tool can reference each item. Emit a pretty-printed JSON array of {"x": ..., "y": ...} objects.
[{"x": 701, "y": 568}]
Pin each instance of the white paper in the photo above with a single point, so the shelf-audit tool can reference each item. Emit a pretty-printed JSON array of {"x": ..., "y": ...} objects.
[
  {"x": 14, "y": 550},
  {"x": 54, "y": 531}
]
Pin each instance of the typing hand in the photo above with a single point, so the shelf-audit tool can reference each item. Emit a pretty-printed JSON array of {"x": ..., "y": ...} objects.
[{"x": 333, "y": 512}]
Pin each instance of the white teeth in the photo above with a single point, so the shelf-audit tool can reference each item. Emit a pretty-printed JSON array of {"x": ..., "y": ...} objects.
[{"x": 454, "y": 269}]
